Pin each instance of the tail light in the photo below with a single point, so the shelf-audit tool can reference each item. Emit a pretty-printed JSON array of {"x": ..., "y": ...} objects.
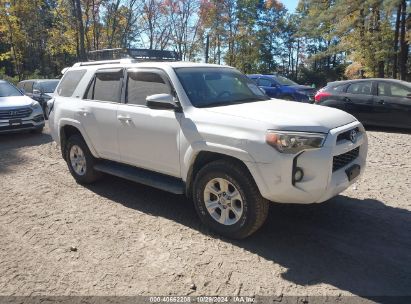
[{"x": 321, "y": 95}]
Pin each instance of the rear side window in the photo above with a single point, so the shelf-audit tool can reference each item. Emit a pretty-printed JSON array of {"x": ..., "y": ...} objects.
[
  {"x": 393, "y": 90},
  {"x": 362, "y": 88},
  {"x": 106, "y": 86},
  {"x": 338, "y": 88},
  {"x": 28, "y": 87},
  {"x": 143, "y": 84},
  {"x": 69, "y": 82}
]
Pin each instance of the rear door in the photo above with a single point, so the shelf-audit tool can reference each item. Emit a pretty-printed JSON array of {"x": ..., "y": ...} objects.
[
  {"x": 358, "y": 100},
  {"x": 98, "y": 114},
  {"x": 148, "y": 138},
  {"x": 393, "y": 104}
]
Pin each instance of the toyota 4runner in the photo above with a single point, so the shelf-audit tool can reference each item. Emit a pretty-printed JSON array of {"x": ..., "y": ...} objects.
[{"x": 206, "y": 131}]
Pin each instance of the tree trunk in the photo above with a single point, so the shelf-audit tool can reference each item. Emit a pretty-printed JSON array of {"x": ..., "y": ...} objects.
[
  {"x": 79, "y": 17},
  {"x": 396, "y": 35},
  {"x": 403, "y": 43}
]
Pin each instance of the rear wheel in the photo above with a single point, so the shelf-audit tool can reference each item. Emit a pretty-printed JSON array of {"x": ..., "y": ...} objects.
[
  {"x": 80, "y": 160},
  {"x": 227, "y": 199}
]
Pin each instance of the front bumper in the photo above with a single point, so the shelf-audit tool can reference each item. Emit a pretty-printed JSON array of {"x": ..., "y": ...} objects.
[
  {"x": 320, "y": 182},
  {"x": 33, "y": 122}
]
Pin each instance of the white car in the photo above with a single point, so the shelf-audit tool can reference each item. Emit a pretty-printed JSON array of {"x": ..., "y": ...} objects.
[
  {"x": 206, "y": 131},
  {"x": 18, "y": 112}
]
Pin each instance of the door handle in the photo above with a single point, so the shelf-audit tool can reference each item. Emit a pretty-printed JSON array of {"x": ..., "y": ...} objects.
[
  {"x": 381, "y": 101},
  {"x": 83, "y": 112},
  {"x": 346, "y": 99},
  {"x": 126, "y": 119}
]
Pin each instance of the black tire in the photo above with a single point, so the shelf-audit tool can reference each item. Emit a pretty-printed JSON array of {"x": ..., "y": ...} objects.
[
  {"x": 255, "y": 207},
  {"x": 90, "y": 175}
]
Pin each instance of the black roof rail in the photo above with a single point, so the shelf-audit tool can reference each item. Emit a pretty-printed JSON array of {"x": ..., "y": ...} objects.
[{"x": 130, "y": 53}]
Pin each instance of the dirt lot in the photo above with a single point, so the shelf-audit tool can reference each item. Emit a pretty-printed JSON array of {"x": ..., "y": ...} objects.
[{"x": 134, "y": 240}]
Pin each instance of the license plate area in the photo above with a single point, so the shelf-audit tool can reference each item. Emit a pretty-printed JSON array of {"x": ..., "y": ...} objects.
[
  {"x": 15, "y": 122},
  {"x": 353, "y": 171}
]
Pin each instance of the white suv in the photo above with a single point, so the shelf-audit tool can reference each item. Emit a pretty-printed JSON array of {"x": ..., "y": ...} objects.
[{"x": 206, "y": 131}]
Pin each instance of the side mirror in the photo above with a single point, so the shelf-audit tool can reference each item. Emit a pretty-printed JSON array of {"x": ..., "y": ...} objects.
[
  {"x": 161, "y": 102},
  {"x": 274, "y": 85},
  {"x": 36, "y": 92},
  {"x": 409, "y": 96}
]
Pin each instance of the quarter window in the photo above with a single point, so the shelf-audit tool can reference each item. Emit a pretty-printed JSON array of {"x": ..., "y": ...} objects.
[
  {"x": 69, "y": 82},
  {"x": 28, "y": 87},
  {"x": 392, "y": 90},
  {"x": 363, "y": 88},
  {"x": 143, "y": 84}
]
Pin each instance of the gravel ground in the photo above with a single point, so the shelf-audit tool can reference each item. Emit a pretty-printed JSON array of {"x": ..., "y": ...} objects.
[{"x": 120, "y": 238}]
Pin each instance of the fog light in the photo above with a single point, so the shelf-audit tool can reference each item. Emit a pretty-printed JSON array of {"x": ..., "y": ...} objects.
[{"x": 298, "y": 174}]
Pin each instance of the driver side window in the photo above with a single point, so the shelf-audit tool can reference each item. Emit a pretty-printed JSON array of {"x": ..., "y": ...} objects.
[
  {"x": 142, "y": 84},
  {"x": 264, "y": 82}
]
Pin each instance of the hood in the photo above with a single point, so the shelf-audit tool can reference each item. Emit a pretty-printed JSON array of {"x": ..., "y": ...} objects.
[
  {"x": 14, "y": 102},
  {"x": 289, "y": 115}
]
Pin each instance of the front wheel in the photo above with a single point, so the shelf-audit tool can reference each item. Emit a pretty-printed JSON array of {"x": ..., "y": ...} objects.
[{"x": 227, "y": 199}]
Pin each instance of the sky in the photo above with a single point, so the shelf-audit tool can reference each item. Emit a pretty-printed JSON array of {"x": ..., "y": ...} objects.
[{"x": 290, "y": 5}]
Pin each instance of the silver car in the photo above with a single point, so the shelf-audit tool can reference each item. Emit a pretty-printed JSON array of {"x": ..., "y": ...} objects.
[{"x": 18, "y": 112}]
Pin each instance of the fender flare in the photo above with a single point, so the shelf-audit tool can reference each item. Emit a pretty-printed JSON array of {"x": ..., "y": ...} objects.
[{"x": 76, "y": 124}]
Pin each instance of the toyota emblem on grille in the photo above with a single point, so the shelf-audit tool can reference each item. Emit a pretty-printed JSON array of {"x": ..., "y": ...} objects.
[{"x": 353, "y": 135}]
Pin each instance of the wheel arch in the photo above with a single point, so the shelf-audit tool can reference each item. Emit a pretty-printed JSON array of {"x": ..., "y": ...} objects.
[
  {"x": 66, "y": 130},
  {"x": 201, "y": 158}
]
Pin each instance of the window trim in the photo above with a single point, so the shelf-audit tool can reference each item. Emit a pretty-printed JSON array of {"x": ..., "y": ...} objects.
[
  {"x": 92, "y": 82},
  {"x": 163, "y": 74}
]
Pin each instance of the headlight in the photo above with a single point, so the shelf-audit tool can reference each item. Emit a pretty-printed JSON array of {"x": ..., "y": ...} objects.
[
  {"x": 35, "y": 105},
  {"x": 294, "y": 142}
]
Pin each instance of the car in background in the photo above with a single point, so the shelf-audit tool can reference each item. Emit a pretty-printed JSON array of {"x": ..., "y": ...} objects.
[
  {"x": 276, "y": 86},
  {"x": 18, "y": 112},
  {"x": 374, "y": 102},
  {"x": 40, "y": 90}
]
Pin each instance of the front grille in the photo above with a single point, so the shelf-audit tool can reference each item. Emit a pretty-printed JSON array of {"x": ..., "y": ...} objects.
[
  {"x": 346, "y": 135},
  {"x": 15, "y": 113},
  {"x": 342, "y": 160}
]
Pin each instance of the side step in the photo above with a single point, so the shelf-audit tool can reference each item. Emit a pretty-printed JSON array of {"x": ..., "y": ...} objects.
[{"x": 142, "y": 176}]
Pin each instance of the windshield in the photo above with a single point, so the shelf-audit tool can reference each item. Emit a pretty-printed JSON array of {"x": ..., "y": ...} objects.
[
  {"x": 7, "y": 89},
  {"x": 284, "y": 81},
  {"x": 211, "y": 87},
  {"x": 49, "y": 86}
]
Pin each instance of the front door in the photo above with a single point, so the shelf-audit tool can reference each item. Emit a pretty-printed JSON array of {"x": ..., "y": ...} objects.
[
  {"x": 269, "y": 86},
  {"x": 148, "y": 138},
  {"x": 393, "y": 104}
]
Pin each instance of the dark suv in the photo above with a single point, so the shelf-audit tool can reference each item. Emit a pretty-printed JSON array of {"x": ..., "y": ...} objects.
[
  {"x": 378, "y": 102},
  {"x": 40, "y": 90},
  {"x": 277, "y": 86}
]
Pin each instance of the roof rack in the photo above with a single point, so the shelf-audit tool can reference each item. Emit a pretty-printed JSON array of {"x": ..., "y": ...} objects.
[{"x": 136, "y": 54}]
